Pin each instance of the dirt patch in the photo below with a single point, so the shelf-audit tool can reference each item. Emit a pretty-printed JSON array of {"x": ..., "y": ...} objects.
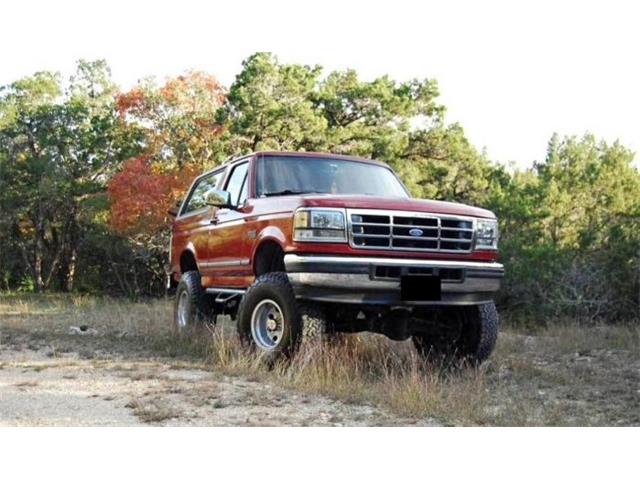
[{"x": 38, "y": 390}]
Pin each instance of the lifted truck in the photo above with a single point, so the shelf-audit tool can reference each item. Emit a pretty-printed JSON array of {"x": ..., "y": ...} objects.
[{"x": 306, "y": 244}]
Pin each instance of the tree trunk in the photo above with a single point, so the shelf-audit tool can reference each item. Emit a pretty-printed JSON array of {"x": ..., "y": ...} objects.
[
  {"x": 38, "y": 256},
  {"x": 71, "y": 270},
  {"x": 67, "y": 268}
]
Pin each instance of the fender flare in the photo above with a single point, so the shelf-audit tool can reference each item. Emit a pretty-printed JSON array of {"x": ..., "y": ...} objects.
[{"x": 270, "y": 233}]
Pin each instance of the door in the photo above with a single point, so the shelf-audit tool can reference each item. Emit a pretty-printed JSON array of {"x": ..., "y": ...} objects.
[
  {"x": 191, "y": 228},
  {"x": 229, "y": 259}
]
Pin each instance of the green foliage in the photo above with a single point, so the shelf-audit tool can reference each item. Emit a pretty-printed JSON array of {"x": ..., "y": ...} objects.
[
  {"x": 570, "y": 232},
  {"x": 57, "y": 147},
  {"x": 269, "y": 107},
  {"x": 441, "y": 163}
]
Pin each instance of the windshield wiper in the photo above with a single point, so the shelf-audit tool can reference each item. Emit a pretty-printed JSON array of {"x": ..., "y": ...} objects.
[{"x": 287, "y": 192}]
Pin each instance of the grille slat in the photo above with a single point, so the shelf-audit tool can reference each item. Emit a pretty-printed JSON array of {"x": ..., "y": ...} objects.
[
  {"x": 366, "y": 224},
  {"x": 454, "y": 229},
  {"x": 390, "y": 230},
  {"x": 372, "y": 235}
]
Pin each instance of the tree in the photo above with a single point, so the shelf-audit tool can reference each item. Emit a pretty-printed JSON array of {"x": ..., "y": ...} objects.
[
  {"x": 176, "y": 121},
  {"x": 441, "y": 163},
  {"x": 141, "y": 196},
  {"x": 570, "y": 239},
  {"x": 270, "y": 107},
  {"x": 291, "y": 107},
  {"x": 179, "y": 136},
  {"x": 374, "y": 119},
  {"x": 58, "y": 146}
]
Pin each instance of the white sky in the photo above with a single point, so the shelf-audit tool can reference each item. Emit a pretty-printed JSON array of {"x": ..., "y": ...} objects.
[{"x": 510, "y": 72}]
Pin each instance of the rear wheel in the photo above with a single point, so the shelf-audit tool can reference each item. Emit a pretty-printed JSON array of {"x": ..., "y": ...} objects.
[
  {"x": 461, "y": 333},
  {"x": 268, "y": 318},
  {"x": 192, "y": 305}
]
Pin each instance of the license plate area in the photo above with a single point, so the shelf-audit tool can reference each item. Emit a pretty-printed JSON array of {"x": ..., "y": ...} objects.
[{"x": 420, "y": 288}]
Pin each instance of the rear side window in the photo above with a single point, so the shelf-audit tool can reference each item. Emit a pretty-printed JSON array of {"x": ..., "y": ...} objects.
[
  {"x": 196, "y": 199},
  {"x": 236, "y": 186}
]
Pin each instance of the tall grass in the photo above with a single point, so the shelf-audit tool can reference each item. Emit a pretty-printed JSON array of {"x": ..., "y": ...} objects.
[{"x": 365, "y": 369}]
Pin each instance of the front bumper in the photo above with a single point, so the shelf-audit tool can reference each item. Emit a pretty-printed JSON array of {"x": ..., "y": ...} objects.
[{"x": 376, "y": 281}]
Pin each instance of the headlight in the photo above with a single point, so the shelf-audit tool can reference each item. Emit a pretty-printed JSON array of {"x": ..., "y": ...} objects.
[
  {"x": 319, "y": 225},
  {"x": 487, "y": 234}
]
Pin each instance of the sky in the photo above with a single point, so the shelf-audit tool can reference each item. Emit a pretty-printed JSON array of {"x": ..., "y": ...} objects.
[{"x": 511, "y": 73}]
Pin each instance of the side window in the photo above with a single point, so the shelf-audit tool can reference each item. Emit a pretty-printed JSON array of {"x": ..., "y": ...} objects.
[
  {"x": 236, "y": 185},
  {"x": 196, "y": 199}
]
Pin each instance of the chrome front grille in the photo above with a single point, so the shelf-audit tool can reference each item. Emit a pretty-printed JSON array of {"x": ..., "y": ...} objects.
[{"x": 414, "y": 231}]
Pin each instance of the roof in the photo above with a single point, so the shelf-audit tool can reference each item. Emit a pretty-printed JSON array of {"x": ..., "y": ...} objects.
[
  {"x": 234, "y": 159},
  {"x": 317, "y": 155}
]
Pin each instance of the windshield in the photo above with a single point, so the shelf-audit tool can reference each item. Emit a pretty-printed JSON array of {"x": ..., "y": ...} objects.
[{"x": 291, "y": 175}]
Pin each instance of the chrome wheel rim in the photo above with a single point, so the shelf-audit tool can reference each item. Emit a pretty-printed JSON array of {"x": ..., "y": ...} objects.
[
  {"x": 183, "y": 309},
  {"x": 267, "y": 325}
]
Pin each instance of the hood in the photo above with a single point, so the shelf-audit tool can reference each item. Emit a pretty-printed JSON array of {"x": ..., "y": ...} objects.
[{"x": 394, "y": 203}]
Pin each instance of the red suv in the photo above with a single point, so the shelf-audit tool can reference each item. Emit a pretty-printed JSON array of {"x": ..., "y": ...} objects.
[{"x": 299, "y": 245}]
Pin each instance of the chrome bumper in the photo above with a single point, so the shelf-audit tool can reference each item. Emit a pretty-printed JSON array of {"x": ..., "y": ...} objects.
[{"x": 359, "y": 280}]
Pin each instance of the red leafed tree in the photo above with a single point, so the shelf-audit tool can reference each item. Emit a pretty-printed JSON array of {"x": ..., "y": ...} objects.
[
  {"x": 175, "y": 125},
  {"x": 177, "y": 120},
  {"x": 141, "y": 195}
]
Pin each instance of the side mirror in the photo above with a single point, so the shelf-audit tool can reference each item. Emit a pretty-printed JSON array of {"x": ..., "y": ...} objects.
[
  {"x": 173, "y": 211},
  {"x": 218, "y": 198}
]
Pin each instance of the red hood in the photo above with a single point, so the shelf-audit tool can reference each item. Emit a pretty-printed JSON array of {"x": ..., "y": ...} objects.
[{"x": 389, "y": 203}]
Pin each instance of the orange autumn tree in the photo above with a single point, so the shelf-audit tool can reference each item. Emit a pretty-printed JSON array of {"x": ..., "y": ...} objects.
[
  {"x": 178, "y": 119},
  {"x": 178, "y": 132},
  {"x": 141, "y": 196}
]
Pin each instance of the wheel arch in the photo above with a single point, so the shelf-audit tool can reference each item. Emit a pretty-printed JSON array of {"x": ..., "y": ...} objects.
[
  {"x": 188, "y": 261},
  {"x": 268, "y": 256}
]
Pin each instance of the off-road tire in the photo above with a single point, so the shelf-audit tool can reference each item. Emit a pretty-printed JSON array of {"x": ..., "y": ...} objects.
[
  {"x": 273, "y": 286},
  {"x": 474, "y": 342},
  {"x": 199, "y": 309}
]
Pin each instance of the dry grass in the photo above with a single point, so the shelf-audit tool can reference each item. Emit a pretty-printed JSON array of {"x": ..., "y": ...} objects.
[
  {"x": 365, "y": 369},
  {"x": 563, "y": 375},
  {"x": 116, "y": 317},
  {"x": 24, "y": 384},
  {"x": 153, "y": 410}
]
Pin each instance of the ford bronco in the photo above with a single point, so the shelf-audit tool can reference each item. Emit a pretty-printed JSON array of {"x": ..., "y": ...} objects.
[{"x": 302, "y": 245}]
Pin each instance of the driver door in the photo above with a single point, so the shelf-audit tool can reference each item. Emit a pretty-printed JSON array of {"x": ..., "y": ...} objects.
[{"x": 229, "y": 260}]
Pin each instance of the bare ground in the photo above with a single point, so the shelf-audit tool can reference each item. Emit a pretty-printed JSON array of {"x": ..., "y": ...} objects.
[
  {"x": 133, "y": 371},
  {"x": 68, "y": 391}
]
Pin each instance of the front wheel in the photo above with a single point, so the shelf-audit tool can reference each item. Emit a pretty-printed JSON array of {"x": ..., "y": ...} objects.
[
  {"x": 460, "y": 333},
  {"x": 268, "y": 317}
]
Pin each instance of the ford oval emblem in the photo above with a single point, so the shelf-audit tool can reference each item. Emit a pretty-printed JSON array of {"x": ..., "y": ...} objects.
[{"x": 415, "y": 232}]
